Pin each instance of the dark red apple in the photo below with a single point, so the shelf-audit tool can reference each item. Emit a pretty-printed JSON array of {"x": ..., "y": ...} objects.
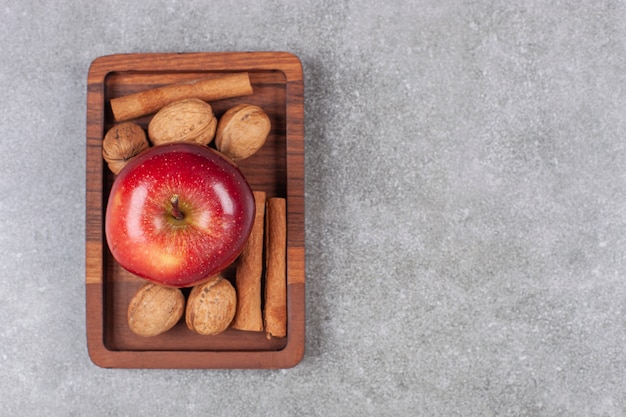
[{"x": 178, "y": 214}]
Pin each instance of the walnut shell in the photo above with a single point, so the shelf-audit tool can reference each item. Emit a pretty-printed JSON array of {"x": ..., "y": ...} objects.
[
  {"x": 242, "y": 131},
  {"x": 189, "y": 120},
  {"x": 122, "y": 143},
  {"x": 154, "y": 309},
  {"x": 211, "y": 306}
]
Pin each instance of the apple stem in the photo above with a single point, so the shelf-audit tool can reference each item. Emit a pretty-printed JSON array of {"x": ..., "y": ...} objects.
[{"x": 178, "y": 215}]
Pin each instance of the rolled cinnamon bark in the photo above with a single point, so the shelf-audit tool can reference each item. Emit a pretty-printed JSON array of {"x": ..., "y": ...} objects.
[
  {"x": 275, "y": 311},
  {"x": 150, "y": 101},
  {"x": 249, "y": 272}
]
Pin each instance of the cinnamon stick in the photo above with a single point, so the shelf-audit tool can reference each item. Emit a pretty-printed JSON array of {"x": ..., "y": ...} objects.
[
  {"x": 275, "y": 313},
  {"x": 249, "y": 272},
  {"x": 150, "y": 101}
]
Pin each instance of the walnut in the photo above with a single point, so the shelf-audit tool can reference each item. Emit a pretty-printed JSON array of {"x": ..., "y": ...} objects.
[
  {"x": 242, "y": 131},
  {"x": 190, "y": 120},
  {"x": 155, "y": 309},
  {"x": 122, "y": 143},
  {"x": 211, "y": 306}
]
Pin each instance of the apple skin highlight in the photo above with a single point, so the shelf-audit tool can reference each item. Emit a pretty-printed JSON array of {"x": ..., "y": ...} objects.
[{"x": 178, "y": 214}]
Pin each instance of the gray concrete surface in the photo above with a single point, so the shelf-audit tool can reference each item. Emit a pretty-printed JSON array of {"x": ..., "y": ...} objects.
[{"x": 466, "y": 212}]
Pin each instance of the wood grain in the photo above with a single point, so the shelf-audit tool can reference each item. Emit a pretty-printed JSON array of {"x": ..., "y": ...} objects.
[{"x": 277, "y": 169}]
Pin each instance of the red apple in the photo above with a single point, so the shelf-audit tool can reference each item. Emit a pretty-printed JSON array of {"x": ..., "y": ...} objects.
[{"x": 178, "y": 214}]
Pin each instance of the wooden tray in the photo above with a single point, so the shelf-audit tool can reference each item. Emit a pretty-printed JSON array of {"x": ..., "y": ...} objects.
[{"x": 277, "y": 169}]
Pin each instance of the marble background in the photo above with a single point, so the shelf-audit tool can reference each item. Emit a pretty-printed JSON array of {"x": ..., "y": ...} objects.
[{"x": 466, "y": 212}]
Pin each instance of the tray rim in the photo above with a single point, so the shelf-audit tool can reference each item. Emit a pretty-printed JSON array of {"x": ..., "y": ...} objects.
[{"x": 285, "y": 62}]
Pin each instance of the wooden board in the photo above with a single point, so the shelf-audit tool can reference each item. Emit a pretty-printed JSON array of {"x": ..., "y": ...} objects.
[{"x": 277, "y": 169}]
